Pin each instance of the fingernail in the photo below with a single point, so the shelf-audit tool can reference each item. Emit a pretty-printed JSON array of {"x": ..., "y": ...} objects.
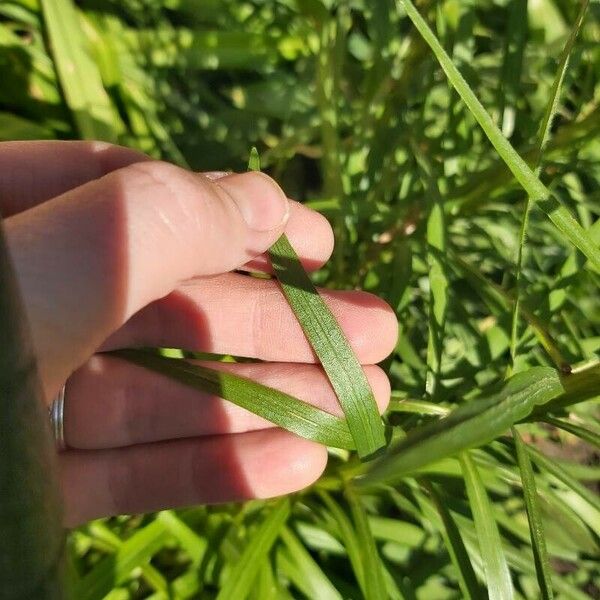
[{"x": 261, "y": 202}]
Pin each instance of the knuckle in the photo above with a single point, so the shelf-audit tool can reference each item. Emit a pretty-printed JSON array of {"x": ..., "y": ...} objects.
[{"x": 152, "y": 173}]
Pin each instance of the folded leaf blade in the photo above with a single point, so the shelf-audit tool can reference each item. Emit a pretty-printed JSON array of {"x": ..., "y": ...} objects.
[{"x": 330, "y": 345}]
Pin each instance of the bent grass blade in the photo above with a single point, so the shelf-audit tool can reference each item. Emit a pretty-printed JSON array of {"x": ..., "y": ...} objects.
[{"x": 329, "y": 343}]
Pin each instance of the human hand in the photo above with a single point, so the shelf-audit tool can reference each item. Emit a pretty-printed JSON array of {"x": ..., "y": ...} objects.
[{"x": 114, "y": 250}]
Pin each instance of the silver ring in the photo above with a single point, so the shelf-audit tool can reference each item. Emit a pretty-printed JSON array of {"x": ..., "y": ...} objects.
[{"x": 57, "y": 418}]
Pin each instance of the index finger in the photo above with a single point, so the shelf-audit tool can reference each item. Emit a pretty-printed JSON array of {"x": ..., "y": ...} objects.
[{"x": 33, "y": 172}]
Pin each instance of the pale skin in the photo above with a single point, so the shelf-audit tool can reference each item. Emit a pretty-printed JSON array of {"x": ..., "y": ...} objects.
[{"x": 115, "y": 250}]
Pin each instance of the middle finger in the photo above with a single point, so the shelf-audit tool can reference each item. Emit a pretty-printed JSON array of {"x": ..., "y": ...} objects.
[{"x": 246, "y": 316}]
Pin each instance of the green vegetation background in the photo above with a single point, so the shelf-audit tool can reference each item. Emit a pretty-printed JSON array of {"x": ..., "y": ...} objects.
[{"x": 353, "y": 115}]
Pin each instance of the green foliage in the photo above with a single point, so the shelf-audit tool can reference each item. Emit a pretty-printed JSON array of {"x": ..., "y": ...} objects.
[{"x": 455, "y": 149}]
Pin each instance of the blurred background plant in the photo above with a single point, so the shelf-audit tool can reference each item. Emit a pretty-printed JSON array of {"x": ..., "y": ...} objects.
[{"x": 354, "y": 116}]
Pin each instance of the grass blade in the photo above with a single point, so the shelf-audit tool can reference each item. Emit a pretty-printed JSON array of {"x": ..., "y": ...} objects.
[
  {"x": 591, "y": 437},
  {"x": 304, "y": 570},
  {"x": 543, "y": 137},
  {"x": 552, "y": 106},
  {"x": 473, "y": 424},
  {"x": 348, "y": 537},
  {"x": 282, "y": 409},
  {"x": 539, "y": 193},
  {"x": 438, "y": 278},
  {"x": 244, "y": 571},
  {"x": 329, "y": 343},
  {"x": 536, "y": 527},
  {"x": 497, "y": 575},
  {"x": 114, "y": 569},
  {"x": 78, "y": 74},
  {"x": 193, "y": 544},
  {"x": 453, "y": 541},
  {"x": 99, "y": 530},
  {"x": 568, "y": 480},
  {"x": 374, "y": 583}
]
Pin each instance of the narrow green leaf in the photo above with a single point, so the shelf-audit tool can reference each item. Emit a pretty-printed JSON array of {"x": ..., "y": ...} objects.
[
  {"x": 282, "y": 409},
  {"x": 114, "y": 569},
  {"x": 14, "y": 127},
  {"x": 569, "y": 481},
  {"x": 438, "y": 279},
  {"x": 78, "y": 74},
  {"x": 100, "y": 530},
  {"x": 254, "y": 160},
  {"x": 539, "y": 193},
  {"x": 552, "y": 106},
  {"x": 306, "y": 573},
  {"x": 193, "y": 544},
  {"x": 591, "y": 437},
  {"x": 543, "y": 137},
  {"x": 244, "y": 571},
  {"x": 348, "y": 537},
  {"x": 374, "y": 582},
  {"x": 30, "y": 507},
  {"x": 473, "y": 424},
  {"x": 467, "y": 579},
  {"x": 536, "y": 526},
  {"x": 499, "y": 584},
  {"x": 419, "y": 407},
  {"x": 265, "y": 586},
  {"x": 388, "y": 529},
  {"x": 580, "y": 385},
  {"x": 330, "y": 345}
]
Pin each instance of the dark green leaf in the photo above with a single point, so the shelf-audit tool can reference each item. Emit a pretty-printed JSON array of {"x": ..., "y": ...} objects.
[
  {"x": 470, "y": 425},
  {"x": 499, "y": 585}
]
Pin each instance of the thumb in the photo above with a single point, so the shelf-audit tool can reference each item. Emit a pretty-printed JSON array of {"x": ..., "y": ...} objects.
[{"x": 92, "y": 257}]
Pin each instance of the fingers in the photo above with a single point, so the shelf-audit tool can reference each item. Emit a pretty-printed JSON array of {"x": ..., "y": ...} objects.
[
  {"x": 33, "y": 172},
  {"x": 246, "y": 316},
  {"x": 212, "y": 469},
  {"x": 111, "y": 403},
  {"x": 89, "y": 259}
]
